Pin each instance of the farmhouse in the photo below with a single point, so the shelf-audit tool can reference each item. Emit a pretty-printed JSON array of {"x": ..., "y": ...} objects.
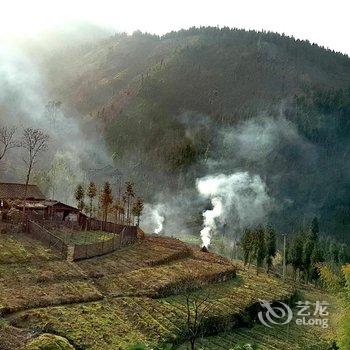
[
  {"x": 12, "y": 195},
  {"x": 10, "y": 191},
  {"x": 50, "y": 210}
]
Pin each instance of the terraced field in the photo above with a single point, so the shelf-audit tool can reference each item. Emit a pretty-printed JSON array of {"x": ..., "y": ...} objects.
[
  {"x": 31, "y": 275},
  {"x": 286, "y": 337},
  {"x": 82, "y": 237},
  {"x": 136, "y": 294},
  {"x": 118, "y": 322},
  {"x": 21, "y": 249}
]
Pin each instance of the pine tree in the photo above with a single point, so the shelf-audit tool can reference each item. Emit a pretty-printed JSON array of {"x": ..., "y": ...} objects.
[
  {"x": 79, "y": 196},
  {"x": 296, "y": 253},
  {"x": 334, "y": 252},
  {"x": 309, "y": 247},
  {"x": 106, "y": 199},
  {"x": 247, "y": 244},
  {"x": 130, "y": 194},
  {"x": 270, "y": 236},
  {"x": 91, "y": 193},
  {"x": 260, "y": 247},
  {"x": 343, "y": 256},
  {"x": 316, "y": 258},
  {"x": 315, "y": 226},
  {"x": 137, "y": 209}
]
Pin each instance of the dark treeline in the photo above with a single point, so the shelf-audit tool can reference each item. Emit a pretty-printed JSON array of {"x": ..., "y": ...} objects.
[{"x": 305, "y": 252}]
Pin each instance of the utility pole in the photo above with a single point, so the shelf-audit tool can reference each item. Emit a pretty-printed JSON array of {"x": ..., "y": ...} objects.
[{"x": 284, "y": 255}]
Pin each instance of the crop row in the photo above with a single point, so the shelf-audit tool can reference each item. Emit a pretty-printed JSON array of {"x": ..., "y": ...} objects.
[
  {"x": 286, "y": 337},
  {"x": 166, "y": 279},
  {"x": 119, "y": 322},
  {"x": 148, "y": 253},
  {"x": 291, "y": 336},
  {"x": 13, "y": 299},
  {"x": 21, "y": 249}
]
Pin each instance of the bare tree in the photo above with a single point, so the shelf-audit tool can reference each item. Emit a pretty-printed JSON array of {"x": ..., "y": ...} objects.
[
  {"x": 197, "y": 301},
  {"x": 197, "y": 309},
  {"x": 34, "y": 141},
  {"x": 7, "y": 140}
]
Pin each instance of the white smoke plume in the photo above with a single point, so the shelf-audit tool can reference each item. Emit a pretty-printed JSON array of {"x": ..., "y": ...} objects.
[
  {"x": 240, "y": 198},
  {"x": 210, "y": 217},
  {"x": 76, "y": 147},
  {"x": 153, "y": 218}
]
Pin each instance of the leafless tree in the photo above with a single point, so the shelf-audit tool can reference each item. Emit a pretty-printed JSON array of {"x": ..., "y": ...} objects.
[
  {"x": 34, "y": 141},
  {"x": 197, "y": 308},
  {"x": 7, "y": 140},
  {"x": 198, "y": 302}
]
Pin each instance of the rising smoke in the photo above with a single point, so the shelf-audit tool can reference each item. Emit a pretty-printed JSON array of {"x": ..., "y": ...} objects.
[
  {"x": 253, "y": 169},
  {"x": 240, "y": 199},
  {"x": 246, "y": 171},
  {"x": 153, "y": 218},
  {"x": 76, "y": 146}
]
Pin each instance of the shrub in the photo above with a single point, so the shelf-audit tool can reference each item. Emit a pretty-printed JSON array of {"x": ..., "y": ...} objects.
[{"x": 49, "y": 342}]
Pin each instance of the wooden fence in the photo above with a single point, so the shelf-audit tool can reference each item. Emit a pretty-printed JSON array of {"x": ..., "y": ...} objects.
[
  {"x": 46, "y": 237},
  {"x": 128, "y": 235},
  {"x": 123, "y": 235},
  {"x": 98, "y": 225}
]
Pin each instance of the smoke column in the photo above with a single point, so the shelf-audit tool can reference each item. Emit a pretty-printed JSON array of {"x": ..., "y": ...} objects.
[
  {"x": 240, "y": 198},
  {"x": 159, "y": 222},
  {"x": 153, "y": 218},
  {"x": 209, "y": 223}
]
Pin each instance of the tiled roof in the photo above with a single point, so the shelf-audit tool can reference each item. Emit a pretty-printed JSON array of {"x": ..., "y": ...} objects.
[
  {"x": 17, "y": 191},
  {"x": 43, "y": 204}
]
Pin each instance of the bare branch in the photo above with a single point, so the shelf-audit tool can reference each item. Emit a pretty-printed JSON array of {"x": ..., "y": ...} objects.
[
  {"x": 7, "y": 140},
  {"x": 34, "y": 141}
]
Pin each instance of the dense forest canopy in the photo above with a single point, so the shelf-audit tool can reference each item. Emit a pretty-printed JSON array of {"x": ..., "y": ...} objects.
[{"x": 208, "y": 101}]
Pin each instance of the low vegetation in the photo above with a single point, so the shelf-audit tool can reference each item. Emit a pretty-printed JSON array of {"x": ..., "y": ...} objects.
[
  {"x": 137, "y": 295},
  {"x": 49, "y": 342},
  {"x": 286, "y": 337},
  {"x": 82, "y": 237},
  {"x": 22, "y": 249}
]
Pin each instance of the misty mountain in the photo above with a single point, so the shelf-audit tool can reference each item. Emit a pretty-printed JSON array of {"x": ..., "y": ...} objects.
[{"x": 209, "y": 101}]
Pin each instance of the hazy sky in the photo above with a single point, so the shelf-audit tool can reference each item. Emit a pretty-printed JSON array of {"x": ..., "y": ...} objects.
[{"x": 320, "y": 21}]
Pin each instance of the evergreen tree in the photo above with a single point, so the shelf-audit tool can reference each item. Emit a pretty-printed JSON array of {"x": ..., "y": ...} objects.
[
  {"x": 137, "y": 210},
  {"x": 315, "y": 226},
  {"x": 296, "y": 253},
  {"x": 309, "y": 247},
  {"x": 129, "y": 194},
  {"x": 343, "y": 256},
  {"x": 91, "y": 193},
  {"x": 260, "y": 247},
  {"x": 247, "y": 244},
  {"x": 334, "y": 252},
  {"x": 79, "y": 196},
  {"x": 270, "y": 236},
  {"x": 106, "y": 199},
  {"x": 316, "y": 258}
]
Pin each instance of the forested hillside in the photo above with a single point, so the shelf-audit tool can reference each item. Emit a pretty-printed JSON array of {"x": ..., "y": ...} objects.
[{"x": 207, "y": 100}]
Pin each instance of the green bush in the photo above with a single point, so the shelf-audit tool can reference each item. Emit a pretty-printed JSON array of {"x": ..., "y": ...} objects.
[{"x": 49, "y": 342}]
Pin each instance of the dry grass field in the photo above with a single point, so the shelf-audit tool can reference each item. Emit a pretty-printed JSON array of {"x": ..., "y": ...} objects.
[{"x": 136, "y": 294}]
